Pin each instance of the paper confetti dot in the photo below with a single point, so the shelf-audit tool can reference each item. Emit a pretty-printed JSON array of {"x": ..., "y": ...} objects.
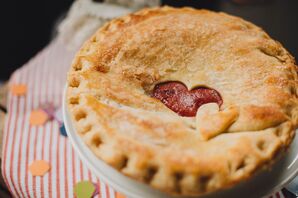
[
  {"x": 49, "y": 109},
  {"x": 84, "y": 189},
  {"x": 39, "y": 167},
  {"x": 38, "y": 117},
  {"x": 63, "y": 130},
  {"x": 118, "y": 195},
  {"x": 18, "y": 89}
]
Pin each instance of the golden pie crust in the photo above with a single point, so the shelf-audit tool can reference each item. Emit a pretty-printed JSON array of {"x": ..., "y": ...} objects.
[{"x": 114, "y": 73}]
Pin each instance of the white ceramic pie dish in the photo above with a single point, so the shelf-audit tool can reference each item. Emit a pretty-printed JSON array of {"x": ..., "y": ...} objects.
[{"x": 260, "y": 185}]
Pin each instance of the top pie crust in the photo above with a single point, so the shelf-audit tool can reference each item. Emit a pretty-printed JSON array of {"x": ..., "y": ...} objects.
[{"x": 115, "y": 71}]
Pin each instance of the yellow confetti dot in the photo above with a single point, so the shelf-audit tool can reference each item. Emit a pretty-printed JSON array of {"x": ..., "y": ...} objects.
[
  {"x": 38, "y": 117},
  {"x": 18, "y": 89},
  {"x": 84, "y": 189},
  {"x": 39, "y": 167}
]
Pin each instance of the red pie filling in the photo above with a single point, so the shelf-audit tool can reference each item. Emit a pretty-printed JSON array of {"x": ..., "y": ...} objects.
[{"x": 179, "y": 99}]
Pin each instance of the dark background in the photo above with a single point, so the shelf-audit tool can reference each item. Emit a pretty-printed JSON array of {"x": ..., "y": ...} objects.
[{"x": 27, "y": 25}]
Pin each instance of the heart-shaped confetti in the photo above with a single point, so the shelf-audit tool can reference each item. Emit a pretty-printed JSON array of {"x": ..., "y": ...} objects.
[
  {"x": 39, "y": 167},
  {"x": 84, "y": 189}
]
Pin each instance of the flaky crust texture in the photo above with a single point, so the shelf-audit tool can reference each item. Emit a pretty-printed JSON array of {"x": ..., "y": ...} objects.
[{"x": 114, "y": 73}]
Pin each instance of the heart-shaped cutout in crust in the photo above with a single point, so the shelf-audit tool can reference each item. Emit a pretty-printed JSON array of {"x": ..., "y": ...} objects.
[{"x": 184, "y": 102}]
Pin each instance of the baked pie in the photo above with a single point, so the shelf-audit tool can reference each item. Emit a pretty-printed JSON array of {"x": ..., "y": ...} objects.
[{"x": 188, "y": 101}]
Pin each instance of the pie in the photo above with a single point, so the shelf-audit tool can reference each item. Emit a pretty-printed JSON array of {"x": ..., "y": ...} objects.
[{"x": 187, "y": 101}]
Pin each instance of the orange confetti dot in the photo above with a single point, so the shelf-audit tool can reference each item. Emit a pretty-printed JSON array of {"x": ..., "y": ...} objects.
[
  {"x": 38, "y": 117},
  {"x": 18, "y": 89},
  {"x": 119, "y": 195},
  {"x": 39, "y": 168}
]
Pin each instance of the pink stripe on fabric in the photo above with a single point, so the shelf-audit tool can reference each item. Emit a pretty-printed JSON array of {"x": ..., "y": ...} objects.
[
  {"x": 89, "y": 176},
  {"x": 24, "y": 121},
  {"x": 100, "y": 187},
  {"x": 42, "y": 157},
  {"x": 12, "y": 146},
  {"x": 42, "y": 134},
  {"x": 73, "y": 167},
  {"x": 23, "y": 166},
  {"x": 58, "y": 166},
  {"x": 41, "y": 71},
  {"x": 30, "y": 147},
  {"x": 44, "y": 131},
  {"x": 81, "y": 170},
  {"x": 51, "y": 187},
  {"x": 70, "y": 169},
  {"x": 65, "y": 168},
  {"x": 103, "y": 190},
  {"x": 50, "y": 160}
]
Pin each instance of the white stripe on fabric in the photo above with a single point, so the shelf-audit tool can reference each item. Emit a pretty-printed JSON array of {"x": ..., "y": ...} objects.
[
  {"x": 54, "y": 162},
  {"x": 69, "y": 169},
  {"x": 46, "y": 157},
  {"x": 17, "y": 135},
  {"x": 103, "y": 190},
  {"x": 112, "y": 192}
]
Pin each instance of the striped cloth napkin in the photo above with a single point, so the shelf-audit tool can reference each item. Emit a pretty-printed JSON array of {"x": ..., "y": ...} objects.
[{"x": 45, "y": 76}]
